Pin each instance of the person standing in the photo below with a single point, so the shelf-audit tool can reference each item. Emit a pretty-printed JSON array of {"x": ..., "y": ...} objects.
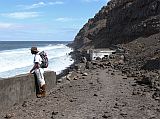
[{"x": 38, "y": 71}]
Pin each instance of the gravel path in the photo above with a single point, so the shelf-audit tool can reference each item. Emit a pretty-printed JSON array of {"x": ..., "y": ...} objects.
[{"x": 103, "y": 93}]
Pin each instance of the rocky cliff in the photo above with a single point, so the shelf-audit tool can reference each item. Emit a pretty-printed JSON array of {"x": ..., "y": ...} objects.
[
  {"x": 119, "y": 22},
  {"x": 134, "y": 26}
]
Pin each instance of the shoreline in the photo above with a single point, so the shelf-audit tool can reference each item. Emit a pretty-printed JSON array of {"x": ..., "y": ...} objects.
[
  {"x": 76, "y": 58},
  {"x": 57, "y": 53}
]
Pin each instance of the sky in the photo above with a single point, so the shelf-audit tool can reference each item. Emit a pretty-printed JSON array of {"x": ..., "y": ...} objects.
[{"x": 45, "y": 20}]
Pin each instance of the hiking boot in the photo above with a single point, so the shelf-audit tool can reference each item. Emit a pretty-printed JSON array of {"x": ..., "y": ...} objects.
[{"x": 39, "y": 95}]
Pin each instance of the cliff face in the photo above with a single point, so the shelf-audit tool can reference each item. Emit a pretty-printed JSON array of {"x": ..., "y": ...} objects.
[{"x": 121, "y": 21}]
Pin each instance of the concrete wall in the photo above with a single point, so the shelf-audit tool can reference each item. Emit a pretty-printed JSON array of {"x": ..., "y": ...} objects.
[{"x": 17, "y": 89}]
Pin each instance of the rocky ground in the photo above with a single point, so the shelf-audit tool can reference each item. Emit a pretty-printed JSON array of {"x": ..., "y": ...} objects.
[{"x": 99, "y": 92}]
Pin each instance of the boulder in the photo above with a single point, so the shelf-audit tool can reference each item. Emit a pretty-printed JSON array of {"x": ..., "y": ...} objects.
[{"x": 71, "y": 76}]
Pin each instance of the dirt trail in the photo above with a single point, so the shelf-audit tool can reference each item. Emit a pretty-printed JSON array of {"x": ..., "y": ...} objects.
[{"x": 104, "y": 93}]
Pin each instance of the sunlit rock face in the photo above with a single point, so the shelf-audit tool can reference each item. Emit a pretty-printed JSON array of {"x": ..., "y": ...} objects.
[{"x": 120, "y": 21}]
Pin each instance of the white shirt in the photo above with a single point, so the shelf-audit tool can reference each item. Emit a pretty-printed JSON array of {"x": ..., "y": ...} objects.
[{"x": 37, "y": 58}]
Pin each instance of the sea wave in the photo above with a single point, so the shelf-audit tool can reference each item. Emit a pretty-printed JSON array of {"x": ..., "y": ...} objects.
[{"x": 20, "y": 61}]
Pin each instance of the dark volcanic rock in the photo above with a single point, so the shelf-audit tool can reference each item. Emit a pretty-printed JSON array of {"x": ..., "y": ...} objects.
[
  {"x": 121, "y": 21},
  {"x": 131, "y": 25}
]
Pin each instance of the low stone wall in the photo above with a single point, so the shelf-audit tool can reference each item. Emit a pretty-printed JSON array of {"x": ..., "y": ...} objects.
[{"x": 17, "y": 89}]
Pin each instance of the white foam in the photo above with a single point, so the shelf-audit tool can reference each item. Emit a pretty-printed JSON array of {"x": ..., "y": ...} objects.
[{"x": 20, "y": 61}]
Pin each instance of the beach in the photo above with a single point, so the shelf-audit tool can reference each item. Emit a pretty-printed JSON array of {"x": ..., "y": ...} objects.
[{"x": 97, "y": 92}]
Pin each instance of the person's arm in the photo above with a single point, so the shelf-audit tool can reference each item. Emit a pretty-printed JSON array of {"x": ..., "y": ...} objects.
[{"x": 34, "y": 67}]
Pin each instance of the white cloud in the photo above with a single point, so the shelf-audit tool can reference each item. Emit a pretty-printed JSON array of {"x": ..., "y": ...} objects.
[
  {"x": 64, "y": 19},
  {"x": 40, "y": 4},
  {"x": 21, "y": 15},
  {"x": 56, "y": 3},
  {"x": 67, "y": 19},
  {"x": 5, "y": 25}
]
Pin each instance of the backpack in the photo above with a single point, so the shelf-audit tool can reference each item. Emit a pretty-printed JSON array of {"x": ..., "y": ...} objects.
[{"x": 44, "y": 57}]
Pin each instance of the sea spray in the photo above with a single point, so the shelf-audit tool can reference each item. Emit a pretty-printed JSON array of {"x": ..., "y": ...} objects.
[{"x": 19, "y": 60}]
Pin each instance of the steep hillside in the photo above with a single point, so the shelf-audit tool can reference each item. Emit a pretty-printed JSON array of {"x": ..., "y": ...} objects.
[{"x": 120, "y": 21}]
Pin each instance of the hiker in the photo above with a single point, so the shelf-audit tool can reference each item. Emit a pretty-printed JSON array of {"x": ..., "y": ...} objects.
[{"x": 38, "y": 71}]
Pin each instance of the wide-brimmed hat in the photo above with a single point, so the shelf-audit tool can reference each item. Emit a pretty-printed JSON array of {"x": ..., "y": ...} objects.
[{"x": 34, "y": 49}]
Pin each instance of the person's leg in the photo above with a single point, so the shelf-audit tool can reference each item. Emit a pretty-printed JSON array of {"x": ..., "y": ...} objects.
[
  {"x": 43, "y": 90},
  {"x": 37, "y": 88},
  {"x": 41, "y": 82}
]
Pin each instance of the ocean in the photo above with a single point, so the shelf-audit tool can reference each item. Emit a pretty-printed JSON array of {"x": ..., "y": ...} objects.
[{"x": 16, "y": 58}]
